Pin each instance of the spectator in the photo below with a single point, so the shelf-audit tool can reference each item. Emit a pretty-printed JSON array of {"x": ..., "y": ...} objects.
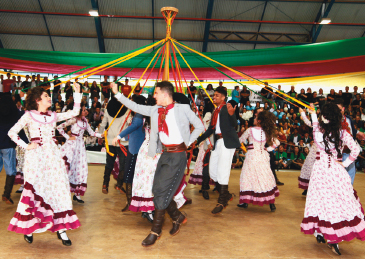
[
  {"x": 249, "y": 107},
  {"x": 302, "y": 96},
  {"x": 331, "y": 96},
  {"x": 94, "y": 91},
  {"x": 7, "y": 83},
  {"x": 68, "y": 90},
  {"x": 278, "y": 100},
  {"x": 357, "y": 103},
  {"x": 26, "y": 84},
  {"x": 285, "y": 129},
  {"x": 309, "y": 95},
  {"x": 347, "y": 97},
  {"x": 306, "y": 150},
  {"x": 297, "y": 159},
  {"x": 321, "y": 98},
  {"x": 295, "y": 136},
  {"x": 236, "y": 163},
  {"x": 86, "y": 92},
  {"x": 97, "y": 116},
  {"x": 126, "y": 88},
  {"x": 245, "y": 95},
  {"x": 57, "y": 89},
  {"x": 289, "y": 148},
  {"x": 354, "y": 94},
  {"x": 137, "y": 89},
  {"x": 106, "y": 89},
  {"x": 281, "y": 158},
  {"x": 307, "y": 139},
  {"x": 192, "y": 90},
  {"x": 236, "y": 94},
  {"x": 359, "y": 123}
]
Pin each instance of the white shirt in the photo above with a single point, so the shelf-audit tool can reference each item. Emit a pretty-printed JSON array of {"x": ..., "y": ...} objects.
[
  {"x": 217, "y": 127},
  {"x": 1, "y": 88},
  {"x": 174, "y": 137}
]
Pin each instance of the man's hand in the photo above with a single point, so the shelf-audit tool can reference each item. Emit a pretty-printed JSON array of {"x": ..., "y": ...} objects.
[
  {"x": 360, "y": 135},
  {"x": 115, "y": 141},
  {"x": 210, "y": 147},
  {"x": 114, "y": 87},
  {"x": 231, "y": 109},
  {"x": 32, "y": 145}
]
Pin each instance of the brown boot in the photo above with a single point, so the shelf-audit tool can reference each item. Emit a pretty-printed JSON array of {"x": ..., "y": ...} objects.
[
  {"x": 156, "y": 230},
  {"x": 177, "y": 217},
  {"x": 119, "y": 184},
  {"x": 222, "y": 200},
  {"x": 9, "y": 182},
  {"x": 129, "y": 190}
]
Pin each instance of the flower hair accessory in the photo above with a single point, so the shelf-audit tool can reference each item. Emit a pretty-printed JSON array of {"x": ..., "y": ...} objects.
[{"x": 324, "y": 120}]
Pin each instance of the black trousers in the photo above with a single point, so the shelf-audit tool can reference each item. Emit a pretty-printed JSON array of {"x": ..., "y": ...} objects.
[
  {"x": 272, "y": 164},
  {"x": 168, "y": 176},
  {"x": 129, "y": 167},
  {"x": 206, "y": 177},
  {"x": 110, "y": 161}
]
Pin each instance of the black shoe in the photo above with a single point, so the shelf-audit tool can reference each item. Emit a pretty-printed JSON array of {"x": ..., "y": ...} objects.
[
  {"x": 320, "y": 239},
  {"x": 146, "y": 215},
  {"x": 279, "y": 183},
  {"x": 19, "y": 191},
  {"x": 243, "y": 205},
  {"x": 334, "y": 248},
  {"x": 205, "y": 194},
  {"x": 64, "y": 242},
  {"x": 78, "y": 200},
  {"x": 28, "y": 239},
  {"x": 304, "y": 192},
  {"x": 272, "y": 207}
]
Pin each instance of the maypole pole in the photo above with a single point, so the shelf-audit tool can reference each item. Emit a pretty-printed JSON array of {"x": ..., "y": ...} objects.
[{"x": 169, "y": 14}]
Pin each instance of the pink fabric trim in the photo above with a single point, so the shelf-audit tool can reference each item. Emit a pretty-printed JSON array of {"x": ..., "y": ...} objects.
[
  {"x": 19, "y": 178},
  {"x": 78, "y": 189},
  {"x": 139, "y": 204},
  {"x": 196, "y": 179},
  {"x": 253, "y": 134},
  {"x": 38, "y": 113},
  {"x": 259, "y": 198},
  {"x": 41, "y": 215}
]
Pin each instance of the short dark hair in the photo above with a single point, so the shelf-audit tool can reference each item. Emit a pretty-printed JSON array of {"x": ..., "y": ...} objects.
[
  {"x": 166, "y": 87},
  {"x": 222, "y": 91}
]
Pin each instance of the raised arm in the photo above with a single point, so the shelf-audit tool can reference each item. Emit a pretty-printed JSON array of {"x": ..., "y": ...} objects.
[
  {"x": 142, "y": 109},
  {"x": 304, "y": 117},
  {"x": 13, "y": 132},
  {"x": 62, "y": 126},
  {"x": 72, "y": 113}
]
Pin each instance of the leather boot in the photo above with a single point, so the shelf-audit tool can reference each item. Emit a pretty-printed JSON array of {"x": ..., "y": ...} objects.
[
  {"x": 177, "y": 217},
  {"x": 129, "y": 190},
  {"x": 222, "y": 200},
  {"x": 9, "y": 182},
  {"x": 217, "y": 187},
  {"x": 106, "y": 179},
  {"x": 205, "y": 186},
  {"x": 156, "y": 230},
  {"x": 119, "y": 185}
]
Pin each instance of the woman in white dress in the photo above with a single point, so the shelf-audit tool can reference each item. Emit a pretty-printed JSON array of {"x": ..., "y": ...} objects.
[{"x": 45, "y": 203}]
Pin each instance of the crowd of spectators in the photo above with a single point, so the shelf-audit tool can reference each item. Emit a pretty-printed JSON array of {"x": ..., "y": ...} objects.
[{"x": 295, "y": 137}]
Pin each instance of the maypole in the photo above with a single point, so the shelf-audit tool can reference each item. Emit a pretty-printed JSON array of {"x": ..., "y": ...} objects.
[{"x": 169, "y": 14}]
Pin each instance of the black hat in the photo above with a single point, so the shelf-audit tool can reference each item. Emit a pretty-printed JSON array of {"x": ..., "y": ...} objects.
[
  {"x": 181, "y": 98},
  {"x": 114, "y": 106}
]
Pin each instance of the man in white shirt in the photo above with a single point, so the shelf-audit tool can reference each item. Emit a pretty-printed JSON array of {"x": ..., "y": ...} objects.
[{"x": 170, "y": 127}]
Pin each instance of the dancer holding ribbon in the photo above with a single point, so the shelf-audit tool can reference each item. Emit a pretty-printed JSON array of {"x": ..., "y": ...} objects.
[{"x": 171, "y": 128}]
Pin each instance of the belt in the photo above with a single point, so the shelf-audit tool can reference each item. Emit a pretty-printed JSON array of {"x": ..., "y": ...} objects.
[
  {"x": 251, "y": 146},
  {"x": 219, "y": 136},
  {"x": 174, "y": 148}
]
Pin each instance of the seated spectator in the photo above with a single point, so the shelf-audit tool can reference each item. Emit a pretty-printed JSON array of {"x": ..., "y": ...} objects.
[
  {"x": 281, "y": 137},
  {"x": 360, "y": 163},
  {"x": 306, "y": 150},
  {"x": 359, "y": 123},
  {"x": 247, "y": 114},
  {"x": 301, "y": 144},
  {"x": 283, "y": 120},
  {"x": 236, "y": 94},
  {"x": 97, "y": 117},
  {"x": 295, "y": 136},
  {"x": 236, "y": 163},
  {"x": 285, "y": 129},
  {"x": 307, "y": 139},
  {"x": 281, "y": 158},
  {"x": 297, "y": 159},
  {"x": 291, "y": 113},
  {"x": 290, "y": 148},
  {"x": 249, "y": 107}
]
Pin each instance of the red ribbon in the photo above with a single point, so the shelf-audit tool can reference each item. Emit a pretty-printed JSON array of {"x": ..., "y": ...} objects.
[
  {"x": 215, "y": 115},
  {"x": 45, "y": 113},
  {"x": 162, "y": 112}
]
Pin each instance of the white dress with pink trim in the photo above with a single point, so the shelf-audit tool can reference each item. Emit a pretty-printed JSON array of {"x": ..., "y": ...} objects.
[
  {"x": 142, "y": 196},
  {"x": 257, "y": 182},
  {"x": 332, "y": 206},
  {"x": 75, "y": 155},
  {"x": 45, "y": 203},
  {"x": 306, "y": 170}
]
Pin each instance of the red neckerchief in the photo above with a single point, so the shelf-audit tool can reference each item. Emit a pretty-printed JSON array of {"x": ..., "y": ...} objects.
[
  {"x": 215, "y": 115},
  {"x": 162, "y": 112},
  {"x": 345, "y": 125},
  {"x": 45, "y": 113}
]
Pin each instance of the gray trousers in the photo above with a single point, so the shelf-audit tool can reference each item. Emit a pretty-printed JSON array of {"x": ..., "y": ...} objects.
[{"x": 168, "y": 176}]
